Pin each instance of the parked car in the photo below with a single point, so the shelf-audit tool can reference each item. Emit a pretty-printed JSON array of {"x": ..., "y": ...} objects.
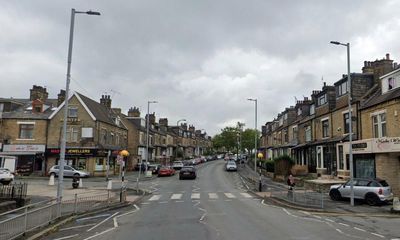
[
  {"x": 68, "y": 172},
  {"x": 166, "y": 171},
  {"x": 187, "y": 172},
  {"x": 177, "y": 165},
  {"x": 154, "y": 168},
  {"x": 373, "y": 191},
  {"x": 6, "y": 177},
  {"x": 231, "y": 166}
]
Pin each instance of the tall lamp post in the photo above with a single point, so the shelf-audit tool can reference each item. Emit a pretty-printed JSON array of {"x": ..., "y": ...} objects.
[
  {"x": 177, "y": 124},
  {"x": 147, "y": 132},
  {"x": 64, "y": 126},
  {"x": 347, "y": 45},
  {"x": 255, "y": 133}
]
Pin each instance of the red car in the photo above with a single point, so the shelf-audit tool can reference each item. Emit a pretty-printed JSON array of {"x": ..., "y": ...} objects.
[{"x": 166, "y": 171}]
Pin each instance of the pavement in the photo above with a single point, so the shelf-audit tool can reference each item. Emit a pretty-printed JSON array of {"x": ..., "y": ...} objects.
[{"x": 277, "y": 193}]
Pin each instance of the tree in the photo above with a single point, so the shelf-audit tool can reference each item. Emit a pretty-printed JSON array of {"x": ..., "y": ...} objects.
[
  {"x": 226, "y": 139},
  {"x": 248, "y": 138}
]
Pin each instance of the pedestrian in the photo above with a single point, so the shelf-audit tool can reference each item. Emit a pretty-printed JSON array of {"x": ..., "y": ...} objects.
[{"x": 290, "y": 182}]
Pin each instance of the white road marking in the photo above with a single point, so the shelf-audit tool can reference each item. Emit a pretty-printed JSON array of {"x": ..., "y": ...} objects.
[
  {"x": 145, "y": 203},
  {"x": 163, "y": 202},
  {"x": 359, "y": 229},
  {"x": 179, "y": 201},
  {"x": 155, "y": 198},
  {"x": 197, "y": 203},
  {"x": 339, "y": 230},
  {"x": 82, "y": 226},
  {"x": 378, "y": 235},
  {"x": 176, "y": 196},
  {"x": 115, "y": 222},
  {"x": 195, "y": 196},
  {"x": 307, "y": 213},
  {"x": 95, "y": 226},
  {"x": 344, "y": 224},
  {"x": 229, "y": 195},
  {"x": 97, "y": 216},
  {"x": 246, "y": 195},
  {"x": 202, "y": 217},
  {"x": 67, "y": 237},
  {"x": 202, "y": 209},
  {"x": 212, "y": 195},
  {"x": 98, "y": 234},
  {"x": 228, "y": 200},
  {"x": 329, "y": 220}
]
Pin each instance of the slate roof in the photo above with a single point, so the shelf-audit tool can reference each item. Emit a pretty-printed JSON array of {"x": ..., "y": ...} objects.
[
  {"x": 378, "y": 98},
  {"x": 25, "y": 110}
]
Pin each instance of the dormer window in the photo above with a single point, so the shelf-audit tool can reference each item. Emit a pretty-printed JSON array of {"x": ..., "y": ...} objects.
[
  {"x": 341, "y": 89},
  {"x": 391, "y": 83},
  {"x": 322, "y": 100}
]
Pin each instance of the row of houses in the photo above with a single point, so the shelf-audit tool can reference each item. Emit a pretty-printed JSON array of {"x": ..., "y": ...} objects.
[
  {"x": 31, "y": 133},
  {"x": 315, "y": 132}
]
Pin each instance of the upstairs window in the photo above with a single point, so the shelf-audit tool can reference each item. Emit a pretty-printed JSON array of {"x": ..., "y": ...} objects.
[
  {"x": 322, "y": 100},
  {"x": 308, "y": 133},
  {"x": 379, "y": 125},
  {"x": 72, "y": 134},
  {"x": 325, "y": 128},
  {"x": 26, "y": 131},
  {"x": 312, "y": 109},
  {"x": 72, "y": 112},
  {"x": 391, "y": 83},
  {"x": 346, "y": 122},
  {"x": 341, "y": 89}
]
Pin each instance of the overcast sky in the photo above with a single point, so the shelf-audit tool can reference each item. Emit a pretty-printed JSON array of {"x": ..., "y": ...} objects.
[{"x": 200, "y": 59}]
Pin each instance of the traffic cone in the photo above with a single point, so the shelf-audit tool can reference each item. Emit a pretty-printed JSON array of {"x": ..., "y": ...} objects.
[
  {"x": 80, "y": 183},
  {"x": 396, "y": 205},
  {"x": 51, "y": 180}
]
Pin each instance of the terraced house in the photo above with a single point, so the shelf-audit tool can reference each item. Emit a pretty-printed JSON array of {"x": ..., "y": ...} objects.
[{"x": 316, "y": 137}]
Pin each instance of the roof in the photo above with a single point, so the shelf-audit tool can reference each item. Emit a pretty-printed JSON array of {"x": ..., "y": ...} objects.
[
  {"x": 378, "y": 98},
  {"x": 24, "y": 111}
]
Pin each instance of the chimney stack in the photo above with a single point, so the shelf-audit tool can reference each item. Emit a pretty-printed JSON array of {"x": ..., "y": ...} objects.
[
  {"x": 105, "y": 100},
  {"x": 134, "y": 112},
  {"x": 38, "y": 92},
  {"x": 163, "y": 122},
  {"x": 60, "y": 97}
]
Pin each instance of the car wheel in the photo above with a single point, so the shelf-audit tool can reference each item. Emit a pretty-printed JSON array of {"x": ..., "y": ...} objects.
[
  {"x": 371, "y": 199},
  {"x": 335, "y": 195}
]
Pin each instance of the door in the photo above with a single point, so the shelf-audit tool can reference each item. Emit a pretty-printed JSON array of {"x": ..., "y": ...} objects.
[
  {"x": 68, "y": 171},
  {"x": 345, "y": 189}
]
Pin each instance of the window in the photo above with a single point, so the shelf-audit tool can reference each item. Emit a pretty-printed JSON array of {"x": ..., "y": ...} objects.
[
  {"x": 391, "y": 83},
  {"x": 285, "y": 136},
  {"x": 312, "y": 109},
  {"x": 325, "y": 128},
  {"x": 111, "y": 138},
  {"x": 26, "y": 131},
  {"x": 72, "y": 134},
  {"x": 117, "y": 139},
  {"x": 104, "y": 136},
  {"x": 299, "y": 111},
  {"x": 341, "y": 89},
  {"x": 72, "y": 112},
  {"x": 379, "y": 125},
  {"x": 294, "y": 136},
  {"x": 346, "y": 122},
  {"x": 322, "y": 100},
  {"x": 320, "y": 157},
  {"x": 308, "y": 133},
  {"x": 341, "y": 160}
]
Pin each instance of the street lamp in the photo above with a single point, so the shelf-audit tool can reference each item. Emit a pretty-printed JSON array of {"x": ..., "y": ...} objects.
[
  {"x": 255, "y": 133},
  {"x": 148, "y": 126},
  {"x": 347, "y": 45},
  {"x": 64, "y": 127}
]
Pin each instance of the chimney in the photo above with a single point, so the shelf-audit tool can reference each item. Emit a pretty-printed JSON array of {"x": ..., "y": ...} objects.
[
  {"x": 387, "y": 56},
  {"x": 60, "y": 97},
  {"x": 134, "y": 112},
  {"x": 163, "y": 121},
  {"x": 184, "y": 126},
  {"x": 38, "y": 92},
  {"x": 106, "y": 101},
  {"x": 192, "y": 128},
  {"x": 152, "y": 118}
]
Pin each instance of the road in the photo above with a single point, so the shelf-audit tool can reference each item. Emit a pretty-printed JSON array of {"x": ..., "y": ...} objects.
[{"x": 217, "y": 206}]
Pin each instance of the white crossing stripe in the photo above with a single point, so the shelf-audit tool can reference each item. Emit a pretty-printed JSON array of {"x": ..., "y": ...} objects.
[
  {"x": 229, "y": 195},
  {"x": 176, "y": 196},
  {"x": 213, "y": 195},
  {"x": 155, "y": 198},
  {"x": 246, "y": 195},
  {"x": 195, "y": 196}
]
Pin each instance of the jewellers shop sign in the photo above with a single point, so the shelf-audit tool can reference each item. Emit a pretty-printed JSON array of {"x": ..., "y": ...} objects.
[
  {"x": 390, "y": 144},
  {"x": 73, "y": 151}
]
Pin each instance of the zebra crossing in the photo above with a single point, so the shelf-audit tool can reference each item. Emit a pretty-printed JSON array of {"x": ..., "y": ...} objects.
[{"x": 196, "y": 196}]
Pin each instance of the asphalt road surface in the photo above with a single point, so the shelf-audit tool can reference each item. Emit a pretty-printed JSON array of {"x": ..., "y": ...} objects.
[{"x": 217, "y": 206}]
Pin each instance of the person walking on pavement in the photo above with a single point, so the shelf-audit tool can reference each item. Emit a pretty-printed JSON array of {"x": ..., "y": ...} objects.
[{"x": 290, "y": 182}]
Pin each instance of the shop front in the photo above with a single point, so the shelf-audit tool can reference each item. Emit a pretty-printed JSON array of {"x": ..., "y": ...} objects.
[
  {"x": 372, "y": 158},
  {"x": 29, "y": 158},
  {"x": 91, "y": 160}
]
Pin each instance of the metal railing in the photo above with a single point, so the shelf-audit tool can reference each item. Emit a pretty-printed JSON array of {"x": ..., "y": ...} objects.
[
  {"x": 14, "y": 191},
  {"x": 18, "y": 222},
  {"x": 303, "y": 196}
]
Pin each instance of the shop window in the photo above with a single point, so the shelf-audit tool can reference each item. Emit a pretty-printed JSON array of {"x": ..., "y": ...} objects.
[
  {"x": 346, "y": 122},
  {"x": 379, "y": 125},
  {"x": 82, "y": 164},
  {"x": 26, "y": 131},
  {"x": 325, "y": 128},
  {"x": 320, "y": 157},
  {"x": 99, "y": 164},
  {"x": 364, "y": 166}
]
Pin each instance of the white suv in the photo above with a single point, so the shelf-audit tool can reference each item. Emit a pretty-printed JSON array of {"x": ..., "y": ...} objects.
[
  {"x": 6, "y": 177},
  {"x": 231, "y": 166},
  {"x": 177, "y": 165}
]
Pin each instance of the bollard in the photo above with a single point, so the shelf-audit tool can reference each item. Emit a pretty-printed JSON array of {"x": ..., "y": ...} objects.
[
  {"x": 51, "y": 180},
  {"x": 396, "y": 205},
  {"x": 109, "y": 185},
  {"x": 80, "y": 183}
]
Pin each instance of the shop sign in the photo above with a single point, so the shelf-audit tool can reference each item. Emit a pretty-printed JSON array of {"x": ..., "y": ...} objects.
[
  {"x": 73, "y": 151},
  {"x": 387, "y": 144},
  {"x": 361, "y": 147},
  {"x": 24, "y": 148}
]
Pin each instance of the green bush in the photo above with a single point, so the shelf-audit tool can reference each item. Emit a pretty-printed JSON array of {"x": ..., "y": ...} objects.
[{"x": 270, "y": 165}]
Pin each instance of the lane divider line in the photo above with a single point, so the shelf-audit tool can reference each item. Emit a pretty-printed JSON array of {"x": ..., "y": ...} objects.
[
  {"x": 82, "y": 226},
  {"x": 95, "y": 226},
  {"x": 98, "y": 234},
  {"x": 378, "y": 235},
  {"x": 67, "y": 237}
]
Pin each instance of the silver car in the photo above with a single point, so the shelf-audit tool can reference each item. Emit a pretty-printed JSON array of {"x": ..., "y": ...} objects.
[
  {"x": 373, "y": 191},
  {"x": 68, "y": 172},
  {"x": 231, "y": 166}
]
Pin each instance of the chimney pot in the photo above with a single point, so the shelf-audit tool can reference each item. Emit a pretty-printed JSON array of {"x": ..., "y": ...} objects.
[{"x": 387, "y": 56}]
